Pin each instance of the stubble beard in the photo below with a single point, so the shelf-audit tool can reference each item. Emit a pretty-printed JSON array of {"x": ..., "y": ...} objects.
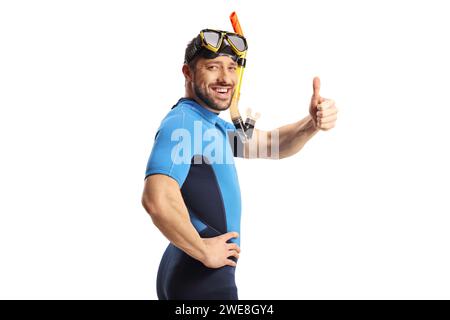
[{"x": 208, "y": 100}]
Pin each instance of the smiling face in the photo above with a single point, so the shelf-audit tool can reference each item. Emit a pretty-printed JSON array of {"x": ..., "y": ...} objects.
[{"x": 213, "y": 82}]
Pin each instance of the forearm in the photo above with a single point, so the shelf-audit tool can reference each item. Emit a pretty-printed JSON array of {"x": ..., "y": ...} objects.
[
  {"x": 171, "y": 217},
  {"x": 281, "y": 142},
  {"x": 178, "y": 229},
  {"x": 293, "y": 137}
]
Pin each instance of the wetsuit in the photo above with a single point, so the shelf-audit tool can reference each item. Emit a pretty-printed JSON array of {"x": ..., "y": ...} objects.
[{"x": 193, "y": 147}]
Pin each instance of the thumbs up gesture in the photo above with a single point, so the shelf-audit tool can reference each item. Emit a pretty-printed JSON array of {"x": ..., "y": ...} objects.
[{"x": 323, "y": 111}]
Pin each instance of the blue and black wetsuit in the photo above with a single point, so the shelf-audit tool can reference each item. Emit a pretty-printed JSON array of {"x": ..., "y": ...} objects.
[{"x": 193, "y": 147}]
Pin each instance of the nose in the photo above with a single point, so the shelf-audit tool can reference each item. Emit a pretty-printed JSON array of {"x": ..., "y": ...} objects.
[{"x": 225, "y": 76}]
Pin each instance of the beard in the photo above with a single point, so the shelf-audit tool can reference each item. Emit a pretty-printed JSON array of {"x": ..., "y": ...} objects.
[{"x": 208, "y": 99}]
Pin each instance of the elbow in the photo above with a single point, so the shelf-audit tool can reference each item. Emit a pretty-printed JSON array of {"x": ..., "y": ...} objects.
[
  {"x": 151, "y": 205},
  {"x": 158, "y": 197}
]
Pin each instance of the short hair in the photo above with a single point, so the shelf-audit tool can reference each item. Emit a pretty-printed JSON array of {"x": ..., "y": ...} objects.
[{"x": 191, "y": 47}]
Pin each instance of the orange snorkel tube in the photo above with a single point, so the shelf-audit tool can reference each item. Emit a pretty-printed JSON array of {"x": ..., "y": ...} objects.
[{"x": 245, "y": 130}]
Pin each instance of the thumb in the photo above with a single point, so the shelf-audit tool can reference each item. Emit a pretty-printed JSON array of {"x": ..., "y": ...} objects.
[
  {"x": 229, "y": 235},
  {"x": 316, "y": 89}
]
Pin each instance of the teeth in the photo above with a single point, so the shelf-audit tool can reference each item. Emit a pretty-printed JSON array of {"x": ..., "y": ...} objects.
[{"x": 222, "y": 90}]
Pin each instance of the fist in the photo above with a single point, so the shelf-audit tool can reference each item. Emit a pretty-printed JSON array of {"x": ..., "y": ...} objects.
[{"x": 323, "y": 111}]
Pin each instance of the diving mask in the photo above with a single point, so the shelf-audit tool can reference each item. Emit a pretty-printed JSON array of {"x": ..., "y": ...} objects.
[{"x": 213, "y": 43}]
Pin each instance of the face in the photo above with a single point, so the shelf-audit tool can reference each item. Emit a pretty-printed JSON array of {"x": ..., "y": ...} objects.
[{"x": 214, "y": 82}]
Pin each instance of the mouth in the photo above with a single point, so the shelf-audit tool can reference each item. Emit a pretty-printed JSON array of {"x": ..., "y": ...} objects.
[{"x": 223, "y": 93}]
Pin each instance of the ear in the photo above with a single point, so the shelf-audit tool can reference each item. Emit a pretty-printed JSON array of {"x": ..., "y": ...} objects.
[{"x": 187, "y": 72}]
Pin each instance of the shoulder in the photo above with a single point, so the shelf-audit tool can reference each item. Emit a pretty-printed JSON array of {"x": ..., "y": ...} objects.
[
  {"x": 180, "y": 117},
  {"x": 227, "y": 125}
]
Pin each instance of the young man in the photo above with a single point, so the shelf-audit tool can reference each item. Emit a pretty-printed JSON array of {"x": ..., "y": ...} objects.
[{"x": 191, "y": 188}]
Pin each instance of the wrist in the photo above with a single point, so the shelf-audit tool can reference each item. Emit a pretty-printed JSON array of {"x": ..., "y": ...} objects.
[
  {"x": 312, "y": 125},
  {"x": 203, "y": 252},
  {"x": 309, "y": 125}
]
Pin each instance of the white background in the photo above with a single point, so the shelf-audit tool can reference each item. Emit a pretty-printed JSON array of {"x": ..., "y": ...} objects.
[{"x": 361, "y": 212}]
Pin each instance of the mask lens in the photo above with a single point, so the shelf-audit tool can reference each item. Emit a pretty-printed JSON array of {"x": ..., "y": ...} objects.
[
  {"x": 212, "y": 38},
  {"x": 238, "y": 42}
]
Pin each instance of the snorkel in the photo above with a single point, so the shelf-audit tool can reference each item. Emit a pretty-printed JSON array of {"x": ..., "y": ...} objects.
[{"x": 244, "y": 129}]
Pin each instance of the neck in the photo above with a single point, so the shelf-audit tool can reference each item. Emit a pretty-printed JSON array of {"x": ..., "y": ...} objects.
[{"x": 189, "y": 94}]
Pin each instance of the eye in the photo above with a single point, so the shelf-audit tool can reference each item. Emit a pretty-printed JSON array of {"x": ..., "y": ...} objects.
[
  {"x": 212, "y": 68},
  {"x": 232, "y": 68}
]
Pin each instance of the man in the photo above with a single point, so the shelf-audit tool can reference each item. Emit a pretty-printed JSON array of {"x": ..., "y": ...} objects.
[{"x": 191, "y": 191}]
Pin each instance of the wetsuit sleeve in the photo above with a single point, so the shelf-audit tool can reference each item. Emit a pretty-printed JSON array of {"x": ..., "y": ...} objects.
[{"x": 166, "y": 157}]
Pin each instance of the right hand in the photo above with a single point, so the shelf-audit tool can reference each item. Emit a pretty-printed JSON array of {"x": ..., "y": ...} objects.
[{"x": 218, "y": 250}]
